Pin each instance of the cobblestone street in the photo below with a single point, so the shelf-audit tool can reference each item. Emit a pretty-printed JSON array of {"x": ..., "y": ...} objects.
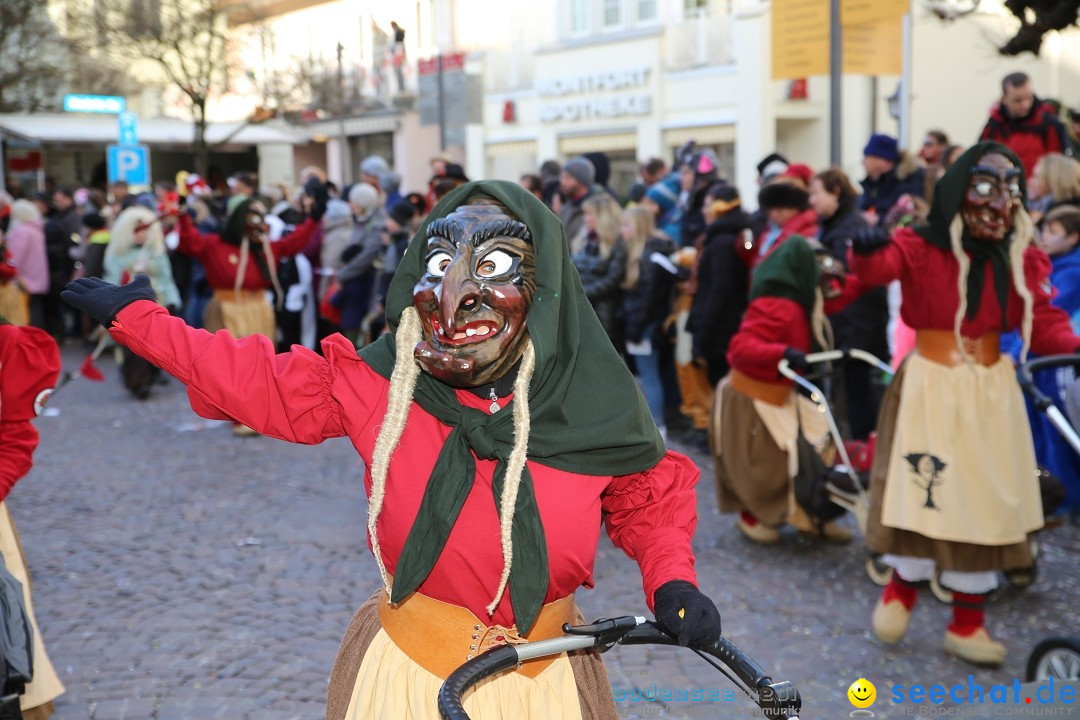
[{"x": 181, "y": 572}]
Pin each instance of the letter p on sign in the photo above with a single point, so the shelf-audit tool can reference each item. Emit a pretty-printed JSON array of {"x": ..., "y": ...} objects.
[{"x": 130, "y": 164}]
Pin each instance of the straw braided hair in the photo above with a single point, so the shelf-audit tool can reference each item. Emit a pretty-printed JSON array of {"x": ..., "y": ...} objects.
[
  {"x": 400, "y": 396},
  {"x": 1023, "y": 233}
]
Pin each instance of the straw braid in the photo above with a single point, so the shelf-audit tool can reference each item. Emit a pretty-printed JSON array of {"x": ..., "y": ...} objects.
[
  {"x": 241, "y": 268},
  {"x": 819, "y": 323},
  {"x": 515, "y": 465},
  {"x": 271, "y": 266},
  {"x": 402, "y": 384},
  {"x": 956, "y": 231},
  {"x": 1023, "y": 233}
]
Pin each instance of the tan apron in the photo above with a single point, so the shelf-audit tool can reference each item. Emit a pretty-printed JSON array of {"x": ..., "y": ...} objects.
[
  {"x": 242, "y": 313},
  {"x": 962, "y": 465},
  {"x": 46, "y": 686}
]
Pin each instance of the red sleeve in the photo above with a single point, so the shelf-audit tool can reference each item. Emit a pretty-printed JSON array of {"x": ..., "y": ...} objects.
[
  {"x": 770, "y": 326},
  {"x": 287, "y": 396},
  {"x": 7, "y": 270},
  {"x": 651, "y": 515},
  {"x": 853, "y": 289},
  {"x": 890, "y": 262},
  {"x": 1051, "y": 331},
  {"x": 29, "y": 366},
  {"x": 192, "y": 242},
  {"x": 19, "y": 438},
  {"x": 295, "y": 241}
]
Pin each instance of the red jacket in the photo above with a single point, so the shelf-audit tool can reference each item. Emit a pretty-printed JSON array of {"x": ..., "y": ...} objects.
[
  {"x": 29, "y": 366},
  {"x": 222, "y": 260},
  {"x": 303, "y": 397},
  {"x": 1030, "y": 137},
  {"x": 928, "y": 276}
]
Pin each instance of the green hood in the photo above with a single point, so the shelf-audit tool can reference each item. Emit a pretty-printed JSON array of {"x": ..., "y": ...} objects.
[
  {"x": 948, "y": 197},
  {"x": 791, "y": 271},
  {"x": 587, "y": 415}
]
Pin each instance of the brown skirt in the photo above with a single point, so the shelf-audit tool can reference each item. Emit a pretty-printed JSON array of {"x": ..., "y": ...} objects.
[
  {"x": 243, "y": 314},
  {"x": 957, "y": 556},
  {"x": 751, "y": 468},
  {"x": 594, "y": 689}
]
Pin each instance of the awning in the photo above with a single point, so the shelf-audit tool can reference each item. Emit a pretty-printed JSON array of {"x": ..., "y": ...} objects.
[
  {"x": 55, "y": 128},
  {"x": 353, "y": 126},
  {"x": 577, "y": 144},
  {"x": 702, "y": 135},
  {"x": 511, "y": 149}
]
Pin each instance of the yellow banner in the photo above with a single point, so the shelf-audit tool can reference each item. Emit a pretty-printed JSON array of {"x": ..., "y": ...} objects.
[
  {"x": 800, "y": 38},
  {"x": 875, "y": 48},
  {"x": 869, "y": 12}
]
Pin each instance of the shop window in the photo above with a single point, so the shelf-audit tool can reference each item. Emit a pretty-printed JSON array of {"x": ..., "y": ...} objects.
[
  {"x": 646, "y": 10},
  {"x": 579, "y": 16},
  {"x": 612, "y": 13}
]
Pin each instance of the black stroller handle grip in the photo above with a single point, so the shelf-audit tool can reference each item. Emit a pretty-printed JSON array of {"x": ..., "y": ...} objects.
[
  {"x": 480, "y": 667},
  {"x": 1025, "y": 375}
]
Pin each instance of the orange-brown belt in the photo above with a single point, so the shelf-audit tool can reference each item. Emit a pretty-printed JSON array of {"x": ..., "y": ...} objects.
[
  {"x": 770, "y": 392},
  {"x": 940, "y": 346},
  {"x": 230, "y": 295},
  {"x": 440, "y": 637}
]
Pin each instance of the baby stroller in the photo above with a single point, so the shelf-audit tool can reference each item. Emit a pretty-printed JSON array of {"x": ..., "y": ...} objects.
[
  {"x": 846, "y": 481},
  {"x": 1057, "y": 657},
  {"x": 777, "y": 700}
]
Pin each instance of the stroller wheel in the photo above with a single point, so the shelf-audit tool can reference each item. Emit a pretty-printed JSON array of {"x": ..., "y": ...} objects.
[
  {"x": 1055, "y": 658},
  {"x": 941, "y": 592},
  {"x": 879, "y": 572},
  {"x": 1021, "y": 578}
]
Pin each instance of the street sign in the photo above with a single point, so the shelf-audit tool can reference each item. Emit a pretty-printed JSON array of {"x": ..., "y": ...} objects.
[
  {"x": 875, "y": 48},
  {"x": 800, "y": 38},
  {"x": 108, "y": 104},
  {"x": 128, "y": 123},
  {"x": 130, "y": 164}
]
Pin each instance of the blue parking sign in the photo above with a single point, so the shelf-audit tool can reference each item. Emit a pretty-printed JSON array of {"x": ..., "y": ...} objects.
[{"x": 130, "y": 164}]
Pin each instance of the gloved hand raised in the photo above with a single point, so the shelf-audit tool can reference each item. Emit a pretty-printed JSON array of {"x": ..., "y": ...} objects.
[
  {"x": 686, "y": 613},
  {"x": 103, "y": 301},
  {"x": 868, "y": 241},
  {"x": 796, "y": 359}
]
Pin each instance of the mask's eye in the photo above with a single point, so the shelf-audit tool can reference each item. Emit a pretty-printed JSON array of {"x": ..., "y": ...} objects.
[
  {"x": 495, "y": 263},
  {"x": 437, "y": 264},
  {"x": 1014, "y": 189},
  {"x": 983, "y": 188}
]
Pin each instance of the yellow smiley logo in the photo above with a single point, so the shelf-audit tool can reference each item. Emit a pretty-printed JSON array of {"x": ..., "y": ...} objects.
[{"x": 862, "y": 693}]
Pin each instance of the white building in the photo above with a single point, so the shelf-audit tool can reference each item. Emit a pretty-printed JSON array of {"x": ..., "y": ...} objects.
[{"x": 637, "y": 78}]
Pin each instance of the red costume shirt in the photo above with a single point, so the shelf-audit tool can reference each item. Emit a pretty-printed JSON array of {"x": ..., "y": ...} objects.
[
  {"x": 222, "y": 260},
  {"x": 928, "y": 282},
  {"x": 306, "y": 398},
  {"x": 29, "y": 365}
]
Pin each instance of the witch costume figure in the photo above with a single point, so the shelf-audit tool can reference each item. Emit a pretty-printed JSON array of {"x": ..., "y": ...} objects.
[
  {"x": 498, "y": 427},
  {"x": 953, "y": 485}
]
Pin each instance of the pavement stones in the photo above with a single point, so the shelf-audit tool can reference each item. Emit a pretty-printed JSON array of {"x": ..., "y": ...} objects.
[{"x": 180, "y": 572}]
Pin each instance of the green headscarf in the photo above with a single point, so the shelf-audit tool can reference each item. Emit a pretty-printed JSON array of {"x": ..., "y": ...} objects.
[
  {"x": 587, "y": 415},
  {"x": 948, "y": 197},
  {"x": 791, "y": 271}
]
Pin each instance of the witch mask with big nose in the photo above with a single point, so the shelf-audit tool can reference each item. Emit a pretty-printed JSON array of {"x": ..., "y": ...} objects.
[{"x": 474, "y": 296}]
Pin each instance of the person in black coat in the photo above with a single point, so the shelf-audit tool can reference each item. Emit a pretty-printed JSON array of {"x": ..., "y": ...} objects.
[
  {"x": 723, "y": 280},
  {"x": 863, "y": 323}
]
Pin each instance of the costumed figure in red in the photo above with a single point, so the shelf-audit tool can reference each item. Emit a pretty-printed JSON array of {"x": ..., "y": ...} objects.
[
  {"x": 759, "y": 420},
  {"x": 953, "y": 485},
  {"x": 29, "y": 366},
  {"x": 499, "y": 429}
]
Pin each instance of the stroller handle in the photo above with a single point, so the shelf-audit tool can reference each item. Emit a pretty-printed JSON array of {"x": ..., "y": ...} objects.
[
  {"x": 833, "y": 355},
  {"x": 776, "y": 699},
  {"x": 1025, "y": 375}
]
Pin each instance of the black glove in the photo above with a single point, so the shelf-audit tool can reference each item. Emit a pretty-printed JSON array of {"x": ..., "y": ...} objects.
[
  {"x": 699, "y": 624},
  {"x": 103, "y": 301},
  {"x": 868, "y": 241},
  {"x": 796, "y": 359},
  {"x": 316, "y": 189}
]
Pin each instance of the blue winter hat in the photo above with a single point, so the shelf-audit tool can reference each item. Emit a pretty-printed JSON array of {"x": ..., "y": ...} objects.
[
  {"x": 882, "y": 146},
  {"x": 665, "y": 193}
]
